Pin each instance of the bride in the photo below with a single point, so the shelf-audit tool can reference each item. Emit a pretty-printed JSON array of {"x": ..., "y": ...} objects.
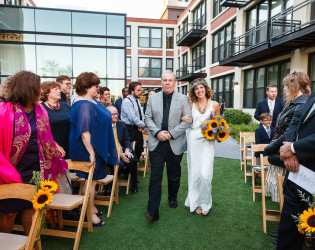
[{"x": 200, "y": 152}]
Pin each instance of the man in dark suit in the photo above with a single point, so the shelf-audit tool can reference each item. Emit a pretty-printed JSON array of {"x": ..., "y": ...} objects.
[
  {"x": 272, "y": 105},
  {"x": 301, "y": 151},
  {"x": 127, "y": 158},
  {"x": 119, "y": 101},
  {"x": 265, "y": 132}
]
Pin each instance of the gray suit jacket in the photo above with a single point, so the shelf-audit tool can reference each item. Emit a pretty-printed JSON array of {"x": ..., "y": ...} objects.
[{"x": 153, "y": 120}]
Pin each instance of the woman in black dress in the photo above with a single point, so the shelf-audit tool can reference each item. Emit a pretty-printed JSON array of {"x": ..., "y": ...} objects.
[{"x": 59, "y": 115}]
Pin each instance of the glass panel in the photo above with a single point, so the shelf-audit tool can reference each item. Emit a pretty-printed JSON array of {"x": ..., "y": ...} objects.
[
  {"x": 16, "y": 37},
  {"x": 17, "y": 19},
  {"x": 156, "y": 43},
  {"x": 260, "y": 84},
  {"x": 251, "y": 19},
  {"x": 156, "y": 33},
  {"x": 285, "y": 70},
  {"x": 17, "y": 57},
  {"x": 115, "y": 25},
  {"x": 144, "y": 32},
  {"x": 169, "y": 64},
  {"x": 115, "y": 42},
  {"x": 144, "y": 42},
  {"x": 169, "y": 38},
  {"x": 288, "y": 3},
  {"x": 128, "y": 66},
  {"x": 88, "y": 23},
  {"x": 115, "y": 63},
  {"x": 115, "y": 87},
  {"x": 53, "y": 21},
  {"x": 54, "y": 60},
  {"x": 128, "y": 35},
  {"x": 97, "y": 57},
  {"x": 156, "y": 63},
  {"x": 263, "y": 12},
  {"x": 53, "y": 39},
  {"x": 249, "y": 79},
  {"x": 89, "y": 41},
  {"x": 144, "y": 64},
  {"x": 272, "y": 75},
  {"x": 155, "y": 72},
  {"x": 275, "y": 7}
]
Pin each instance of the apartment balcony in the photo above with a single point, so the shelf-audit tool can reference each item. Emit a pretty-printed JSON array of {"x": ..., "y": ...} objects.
[
  {"x": 234, "y": 3},
  {"x": 295, "y": 27},
  {"x": 187, "y": 73},
  {"x": 190, "y": 34}
]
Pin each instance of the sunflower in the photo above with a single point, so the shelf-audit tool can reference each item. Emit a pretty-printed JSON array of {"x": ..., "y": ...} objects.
[
  {"x": 222, "y": 135},
  {"x": 213, "y": 124},
  {"x": 307, "y": 220},
  {"x": 42, "y": 198},
  {"x": 51, "y": 186},
  {"x": 208, "y": 134}
]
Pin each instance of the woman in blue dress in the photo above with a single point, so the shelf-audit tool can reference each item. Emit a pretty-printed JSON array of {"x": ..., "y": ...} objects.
[{"x": 91, "y": 134}]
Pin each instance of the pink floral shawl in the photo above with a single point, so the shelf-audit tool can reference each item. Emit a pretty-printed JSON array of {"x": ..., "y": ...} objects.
[{"x": 51, "y": 162}]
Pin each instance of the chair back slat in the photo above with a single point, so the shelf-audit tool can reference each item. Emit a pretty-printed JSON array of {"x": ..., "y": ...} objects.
[
  {"x": 280, "y": 180},
  {"x": 145, "y": 137},
  {"x": 78, "y": 165},
  {"x": 249, "y": 139},
  {"x": 17, "y": 191},
  {"x": 258, "y": 147}
]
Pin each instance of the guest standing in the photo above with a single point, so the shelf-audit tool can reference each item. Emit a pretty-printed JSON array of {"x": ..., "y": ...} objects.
[
  {"x": 119, "y": 101},
  {"x": 132, "y": 116},
  {"x": 150, "y": 92},
  {"x": 65, "y": 86},
  {"x": 59, "y": 115},
  {"x": 91, "y": 134},
  {"x": 294, "y": 152},
  {"x": 26, "y": 145},
  {"x": 297, "y": 90},
  {"x": 272, "y": 105},
  {"x": 105, "y": 97}
]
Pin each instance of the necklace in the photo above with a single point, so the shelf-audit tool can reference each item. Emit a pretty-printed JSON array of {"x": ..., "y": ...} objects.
[
  {"x": 54, "y": 107},
  {"x": 203, "y": 109}
]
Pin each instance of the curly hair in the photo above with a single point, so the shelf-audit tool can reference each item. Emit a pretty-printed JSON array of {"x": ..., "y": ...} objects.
[
  {"x": 23, "y": 88},
  {"x": 192, "y": 95},
  {"x": 295, "y": 82},
  {"x": 46, "y": 87},
  {"x": 85, "y": 81}
]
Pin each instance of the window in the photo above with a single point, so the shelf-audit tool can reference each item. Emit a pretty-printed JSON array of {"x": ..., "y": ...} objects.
[
  {"x": 12, "y": 2},
  {"x": 128, "y": 36},
  {"x": 223, "y": 89},
  {"x": 169, "y": 64},
  {"x": 256, "y": 81},
  {"x": 199, "y": 15},
  {"x": 150, "y": 37},
  {"x": 169, "y": 38},
  {"x": 220, "y": 40},
  {"x": 184, "y": 90},
  {"x": 311, "y": 70},
  {"x": 128, "y": 67},
  {"x": 150, "y": 67},
  {"x": 217, "y": 9},
  {"x": 199, "y": 56}
]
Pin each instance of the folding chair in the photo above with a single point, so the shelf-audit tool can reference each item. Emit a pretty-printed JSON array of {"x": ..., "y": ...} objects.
[
  {"x": 69, "y": 202},
  {"x": 109, "y": 200},
  {"x": 145, "y": 155},
  {"x": 280, "y": 180},
  {"x": 14, "y": 241},
  {"x": 268, "y": 215},
  {"x": 127, "y": 183},
  {"x": 247, "y": 158},
  {"x": 256, "y": 168},
  {"x": 242, "y": 146}
]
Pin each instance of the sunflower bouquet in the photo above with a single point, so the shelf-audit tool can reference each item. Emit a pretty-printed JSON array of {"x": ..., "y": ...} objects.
[
  {"x": 215, "y": 127},
  {"x": 306, "y": 220}
]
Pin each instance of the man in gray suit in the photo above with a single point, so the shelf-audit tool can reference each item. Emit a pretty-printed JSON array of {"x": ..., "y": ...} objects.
[{"x": 167, "y": 141}]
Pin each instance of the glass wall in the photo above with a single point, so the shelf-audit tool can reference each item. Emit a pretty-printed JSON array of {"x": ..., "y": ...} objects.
[{"x": 63, "y": 42}]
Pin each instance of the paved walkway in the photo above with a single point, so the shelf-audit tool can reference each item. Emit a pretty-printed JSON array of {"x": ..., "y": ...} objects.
[{"x": 228, "y": 149}]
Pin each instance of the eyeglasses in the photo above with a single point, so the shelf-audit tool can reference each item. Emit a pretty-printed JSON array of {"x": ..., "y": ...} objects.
[
  {"x": 293, "y": 73},
  {"x": 115, "y": 114},
  {"x": 267, "y": 120}
]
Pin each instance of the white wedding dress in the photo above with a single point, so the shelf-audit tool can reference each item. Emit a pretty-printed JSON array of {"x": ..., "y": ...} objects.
[{"x": 200, "y": 156}]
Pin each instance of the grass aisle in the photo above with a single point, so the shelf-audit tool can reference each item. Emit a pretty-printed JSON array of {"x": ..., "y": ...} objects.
[{"x": 234, "y": 222}]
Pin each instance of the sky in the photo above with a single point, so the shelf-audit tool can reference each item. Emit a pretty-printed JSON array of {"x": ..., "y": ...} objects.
[{"x": 133, "y": 8}]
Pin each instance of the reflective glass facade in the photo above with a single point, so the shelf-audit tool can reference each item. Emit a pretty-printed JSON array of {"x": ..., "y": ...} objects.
[{"x": 51, "y": 42}]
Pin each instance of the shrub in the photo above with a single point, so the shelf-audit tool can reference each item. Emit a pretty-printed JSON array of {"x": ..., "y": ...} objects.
[
  {"x": 237, "y": 128},
  {"x": 236, "y": 116}
]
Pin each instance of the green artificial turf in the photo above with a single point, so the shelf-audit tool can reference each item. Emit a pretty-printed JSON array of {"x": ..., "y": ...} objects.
[{"x": 234, "y": 221}]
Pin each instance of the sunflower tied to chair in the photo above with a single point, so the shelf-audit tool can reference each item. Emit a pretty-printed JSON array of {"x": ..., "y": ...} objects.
[
  {"x": 215, "y": 127},
  {"x": 306, "y": 220}
]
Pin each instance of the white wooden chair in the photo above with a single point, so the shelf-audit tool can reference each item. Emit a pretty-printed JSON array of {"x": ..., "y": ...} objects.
[
  {"x": 145, "y": 156},
  {"x": 69, "y": 202},
  {"x": 280, "y": 180},
  {"x": 247, "y": 158},
  {"x": 242, "y": 146},
  {"x": 14, "y": 241}
]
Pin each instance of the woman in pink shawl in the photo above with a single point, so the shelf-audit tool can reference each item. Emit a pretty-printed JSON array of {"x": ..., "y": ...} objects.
[{"x": 26, "y": 145}]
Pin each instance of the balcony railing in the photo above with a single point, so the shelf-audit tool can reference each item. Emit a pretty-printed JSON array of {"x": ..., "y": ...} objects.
[
  {"x": 293, "y": 19},
  {"x": 187, "y": 73},
  {"x": 234, "y": 3},
  {"x": 189, "y": 34}
]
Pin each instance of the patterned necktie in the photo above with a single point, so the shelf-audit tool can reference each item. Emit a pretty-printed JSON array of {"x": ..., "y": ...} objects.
[
  {"x": 268, "y": 132},
  {"x": 270, "y": 107},
  {"x": 118, "y": 146}
]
